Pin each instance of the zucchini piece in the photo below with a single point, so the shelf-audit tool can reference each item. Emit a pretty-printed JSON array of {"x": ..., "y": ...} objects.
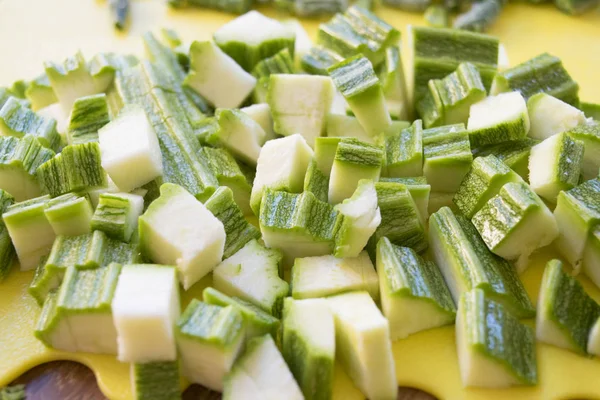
[
  {"x": 555, "y": 165},
  {"x": 310, "y": 8},
  {"x": 314, "y": 277},
  {"x": 69, "y": 214},
  {"x": 56, "y": 112},
  {"x": 497, "y": 119},
  {"x": 303, "y": 42},
  {"x": 354, "y": 160},
  {"x": 363, "y": 344},
  {"x": 550, "y": 116},
  {"x": 252, "y": 37},
  {"x": 515, "y": 223},
  {"x": 94, "y": 195},
  {"x": 566, "y": 313},
  {"x": 543, "y": 73},
  {"x": 435, "y": 53},
  {"x": 154, "y": 380},
  {"x": 467, "y": 264},
  {"x": 239, "y": 134},
  {"x": 400, "y": 219},
  {"x": 325, "y": 149},
  {"x": 77, "y": 168},
  {"x": 482, "y": 182},
  {"x": 229, "y": 174},
  {"x": 447, "y": 157},
  {"x": 117, "y": 215},
  {"x": 577, "y": 213},
  {"x": 217, "y": 77},
  {"x": 394, "y": 84},
  {"x": 297, "y": 224},
  {"x": 575, "y": 7},
  {"x": 480, "y": 16},
  {"x": 404, "y": 152},
  {"x": 419, "y": 190},
  {"x": 80, "y": 318},
  {"x": 256, "y": 321},
  {"x": 279, "y": 63},
  {"x": 300, "y": 104},
  {"x": 591, "y": 256},
  {"x": 105, "y": 66},
  {"x": 360, "y": 219},
  {"x": 341, "y": 126},
  {"x": 19, "y": 160},
  {"x": 437, "y": 16},
  {"x": 589, "y": 134},
  {"x": 282, "y": 165},
  {"x": 358, "y": 31},
  {"x": 309, "y": 346},
  {"x": 18, "y": 121},
  {"x": 71, "y": 79},
  {"x": 414, "y": 296},
  {"x": 591, "y": 110},
  {"x": 177, "y": 229},
  {"x": 515, "y": 154},
  {"x": 319, "y": 59},
  {"x": 261, "y": 373},
  {"x": 261, "y": 114},
  {"x": 6, "y": 94},
  {"x": 40, "y": 93},
  {"x": 230, "y": 6},
  {"x": 495, "y": 350},
  {"x": 152, "y": 308},
  {"x": 316, "y": 182},
  {"x": 13, "y": 392},
  {"x": 7, "y": 250},
  {"x": 449, "y": 100},
  {"x": 209, "y": 338},
  {"x": 29, "y": 230},
  {"x": 88, "y": 115},
  {"x": 593, "y": 345},
  {"x": 131, "y": 154},
  {"x": 408, "y": 5},
  {"x": 252, "y": 274},
  {"x": 356, "y": 80},
  {"x": 237, "y": 229},
  {"x": 207, "y": 128},
  {"x": 438, "y": 200}
]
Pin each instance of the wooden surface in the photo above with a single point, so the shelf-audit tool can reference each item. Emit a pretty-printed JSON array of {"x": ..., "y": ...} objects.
[{"x": 65, "y": 380}]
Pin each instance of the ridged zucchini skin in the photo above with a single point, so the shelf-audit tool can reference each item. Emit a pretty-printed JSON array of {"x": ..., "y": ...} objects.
[
  {"x": 18, "y": 121},
  {"x": 589, "y": 135},
  {"x": 515, "y": 154},
  {"x": 404, "y": 152},
  {"x": 89, "y": 114},
  {"x": 156, "y": 380},
  {"x": 7, "y": 250},
  {"x": 319, "y": 59}
]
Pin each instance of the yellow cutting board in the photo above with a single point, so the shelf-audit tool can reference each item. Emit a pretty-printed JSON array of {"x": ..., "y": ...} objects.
[{"x": 32, "y": 31}]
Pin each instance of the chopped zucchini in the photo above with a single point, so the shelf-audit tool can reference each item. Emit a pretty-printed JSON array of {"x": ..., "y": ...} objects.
[
  {"x": 40, "y": 93},
  {"x": 404, "y": 152},
  {"x": 323, "y": 276},
  {"x": 555, "y": 165},
  {"x": 117, "y": 215},
  {"x": 230, "y": 6},
  {"x": 282, "y": 165},
  {"x": 279, "y": 63},
  {"x": 151, "y": 307},
  {"x": 394, "y": 84},
  {"x": 158, "y": 379},
  {"x": 515, "y": 154},
  {"x": 89, "y": 114},
  {"x": 309, "y": 346},
  {"x": 69, "y": 214},
  {"x": 318, "y": 60},
  {"x": 414, "y": 296},
  {"x": 316, "y": 182},
  {"x": 310, "y": 8},
  {"x": 209, "y": 338},
  {"x": 363, "y": 344},
  {"x": 18, "y": 121},
  {"x": 7, "y": 250},
  {"x": 325, "y": 149},
  {"x": 550, "y": 116},
  {"x": 419, "y": 190},
  {"x": 482, "y": 182},
  {"x": 177, "y": 229},
  {"x": 589, "y": 134},
  {"x": 495, "y": 350},
  {"x": 591, "y": 256},
  {"x": 515, "y": 223},
  {"x": 302, "y": 44},
  {"x": 466, "y": 263},
  {"x": 340, "y": 126},
  {"x": 261, "y": 114},
  {"x": 593, "y": 345},
  {"x": 566, "y": 313},
  {"x": 591, "y": 110}
]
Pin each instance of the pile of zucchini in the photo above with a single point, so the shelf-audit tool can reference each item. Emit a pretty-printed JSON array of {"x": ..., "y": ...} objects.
[{"x": 332, "y": 213}]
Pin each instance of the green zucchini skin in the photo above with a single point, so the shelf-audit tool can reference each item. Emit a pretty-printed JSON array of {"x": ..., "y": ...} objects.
[{"x": 156, "y": 380}]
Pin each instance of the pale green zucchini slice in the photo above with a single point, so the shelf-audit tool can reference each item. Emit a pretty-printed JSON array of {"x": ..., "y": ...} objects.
[
  {"x": 117, "y": 215},
  {"x": 303, "y": 42},
  {"x": 555, "y": 165},
  {"x": 253, "y": 37},
  {"x": 230, "y": 6},
  {"x": 589, "y": 134},
  {"x": 261, "y": 373},
  {"x": 566, "y": 313},
  {"x": 318, "y": 59},
  {"x": 256, "y": 321},
  {"x": 466, "y": 263},
  {"x": 7, "y": 250},
  {"x": 526, "y": 223},
  {"x": 363, "y": 345},
  {"x": 309, "y": 346},
  {"x": 152, "y": 308},
  {"x": 497, "y": 119},
  {"x": 310, "y": 8},
  {"x": 261, "y": 114},
  {"x": 238, "y": 133},
  {"x": 209, "y": 339},
  {"x": 543, "y": 73},
  {"x": 217, "y": 77},
  {"x": 300, "y": 104},
  {"x": 495, "y": 349},
  {"x": 152, "y": 380},
  {"x": 89, "y": 114},
  {"x": 177, "y": 229},
  {"x": 78, "y": 317},
  {"x": 323, "y": 276},
  {"x": 484, "y": 181},
  {"x": 591, "y": 256},
  {"x": 394, "y": 84},
  {"x": 404, "y": 152},
  {"x": 356, "y": 80},
  {"x": 18, "y": 121},
  {"x": 325, "y": 149},
  {"x": 19, "y": 161},
  {"x": 550, "y": 116},
  {"x": 341, "y": 126},
  {"x": 69, "y": 214},
  {"x": 515, "y": 154},
  {"x": 281, "y": 165},
  {"x": 316, "y": 182},
  {"x": 279, "y": 63},
  {"x": 414, "y": 296},
  {"x": 40, "y": 93},
  {"x": 419, "y": 190}
]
